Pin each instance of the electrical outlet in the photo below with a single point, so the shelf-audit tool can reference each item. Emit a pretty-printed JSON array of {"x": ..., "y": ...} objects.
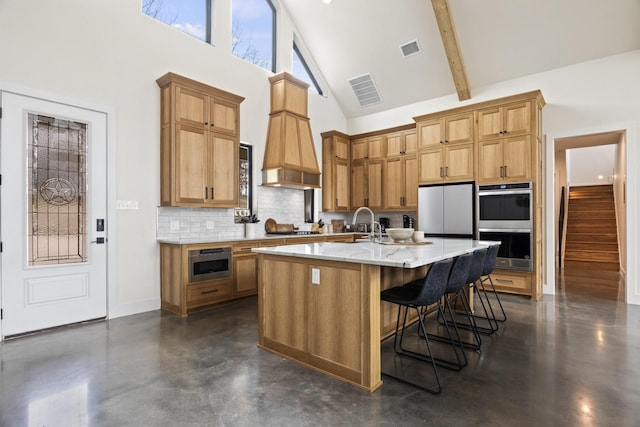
[
  {"x": 175, "y": 226},
  {"x": 209, "y": 225},
  {"x": 315, "y": 276}
]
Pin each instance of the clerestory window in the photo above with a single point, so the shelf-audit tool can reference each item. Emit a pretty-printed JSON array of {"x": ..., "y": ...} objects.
[
  {"x": 302, "y": 71},
  {"x": 190, "y": 16},
  {"x": 253, "y": 32}
]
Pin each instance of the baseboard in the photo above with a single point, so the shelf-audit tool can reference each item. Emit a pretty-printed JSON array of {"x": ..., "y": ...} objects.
[{"x": 120, "y": 310}]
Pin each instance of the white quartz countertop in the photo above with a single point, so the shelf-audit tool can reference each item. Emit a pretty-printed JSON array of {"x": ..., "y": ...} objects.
[
  {"x": 260, "y": 236},
  {"x": 406, "y": 256}
]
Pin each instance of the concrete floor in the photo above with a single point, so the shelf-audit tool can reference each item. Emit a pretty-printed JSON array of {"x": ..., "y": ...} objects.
[{"x": 563, "y": 361}]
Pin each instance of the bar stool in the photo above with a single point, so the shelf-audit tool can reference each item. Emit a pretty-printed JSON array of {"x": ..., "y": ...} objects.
[
  {"x": 489, "y": 265},
  {"x": 421, "y": 294}
]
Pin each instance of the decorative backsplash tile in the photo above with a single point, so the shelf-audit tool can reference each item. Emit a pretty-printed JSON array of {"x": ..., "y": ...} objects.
[{"x": 284, "y": 205}]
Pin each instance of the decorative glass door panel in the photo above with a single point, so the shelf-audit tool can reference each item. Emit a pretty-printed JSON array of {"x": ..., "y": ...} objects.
[{"x": 57, "y": 191}]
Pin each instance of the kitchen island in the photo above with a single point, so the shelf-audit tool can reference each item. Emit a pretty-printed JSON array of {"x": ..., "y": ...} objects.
[{"x": 319, "y": 304}]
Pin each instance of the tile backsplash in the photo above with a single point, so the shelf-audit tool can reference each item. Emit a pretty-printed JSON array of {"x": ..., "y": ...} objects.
[{"x": 284, "y": 205}]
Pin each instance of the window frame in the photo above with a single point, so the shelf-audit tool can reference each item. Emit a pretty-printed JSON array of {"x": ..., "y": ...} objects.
[{"x": 305, "y": 65}]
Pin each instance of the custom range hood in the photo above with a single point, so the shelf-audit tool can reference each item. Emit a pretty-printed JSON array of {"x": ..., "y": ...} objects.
[{"x": 289, "y": 155}]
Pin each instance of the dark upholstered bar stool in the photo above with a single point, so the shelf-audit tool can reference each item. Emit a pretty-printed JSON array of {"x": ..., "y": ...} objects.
[
  {"x": 420, "y": 295},
  {"x": 489, "y": 265},
  {"x": 454, "y": 294}
]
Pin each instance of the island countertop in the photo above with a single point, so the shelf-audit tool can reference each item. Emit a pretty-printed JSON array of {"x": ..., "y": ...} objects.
[{"x": 382, "y": 254}]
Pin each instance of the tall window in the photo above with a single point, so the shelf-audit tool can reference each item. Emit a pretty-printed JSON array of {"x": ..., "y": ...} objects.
[
  {"x": 253, "y": 32},
  {"x": 190, "y": 16},
  {"x": 302, "y": 71}
]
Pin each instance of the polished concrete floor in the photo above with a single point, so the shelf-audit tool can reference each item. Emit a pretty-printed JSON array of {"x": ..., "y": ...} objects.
[{"x": 568, "y": 360}]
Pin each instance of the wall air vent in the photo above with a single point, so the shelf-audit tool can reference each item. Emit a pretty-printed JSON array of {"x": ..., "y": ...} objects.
[
  {"x": 365, "y": 90},
  {"x": 410, "y": 48}
]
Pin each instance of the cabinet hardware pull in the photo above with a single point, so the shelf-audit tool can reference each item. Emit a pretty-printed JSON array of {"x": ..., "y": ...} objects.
[
  {"x": 441, "y": 172},
  {"x": 212, "y": 193},
  {"x": 209, "y": 292},
  {"x": 446, "y": 141},
  {"x": 505, "y": 172},
  {"x": 500, "y": 132},
  {"x": 501, "y": 173},
  {"x": 366, "y": 201},
  {"x": 206, "y": 123},
  {"x": 446, "y": 171},
  {"x": 336, "y": 202},
  {"x": 206, "y": 193},
  {"x": 504, "y": 280}
]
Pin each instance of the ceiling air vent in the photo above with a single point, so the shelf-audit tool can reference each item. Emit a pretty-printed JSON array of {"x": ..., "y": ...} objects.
[
  {"x": 365, "y": 90},
  {"x": 410, "y": 48}
]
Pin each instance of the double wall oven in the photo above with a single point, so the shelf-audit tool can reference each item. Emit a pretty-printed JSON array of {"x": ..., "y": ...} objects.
[{"x": 505, "y": 214}]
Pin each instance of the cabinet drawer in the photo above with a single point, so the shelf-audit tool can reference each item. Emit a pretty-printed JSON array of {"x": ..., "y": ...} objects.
[
  {"x": 208, "y": 293},
  {"x": 512, "y": 282},
  {"x": 244, "y": 247}
]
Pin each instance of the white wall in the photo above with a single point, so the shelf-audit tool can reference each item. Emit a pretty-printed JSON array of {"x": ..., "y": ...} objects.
[
  {"x": 586, "y": 165},
  {"x": 109, "y": 53}
]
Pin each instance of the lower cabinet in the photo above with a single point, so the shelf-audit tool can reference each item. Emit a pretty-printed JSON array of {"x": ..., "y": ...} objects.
[
  {"x": 517, "y": 282},
  {"x": 181, "y": 297}
]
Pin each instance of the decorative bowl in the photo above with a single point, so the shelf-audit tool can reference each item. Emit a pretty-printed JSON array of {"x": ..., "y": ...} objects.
[{"x": 400, "y": 234}]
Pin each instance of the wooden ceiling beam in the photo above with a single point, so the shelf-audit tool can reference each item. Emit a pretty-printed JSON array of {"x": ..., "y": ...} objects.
[{"x": 451, "y": 47}]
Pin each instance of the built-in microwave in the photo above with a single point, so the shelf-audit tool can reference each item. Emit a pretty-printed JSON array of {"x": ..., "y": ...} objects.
[
  {"x": 506, "y": 206},
  {"x": 208, "y": 264}
]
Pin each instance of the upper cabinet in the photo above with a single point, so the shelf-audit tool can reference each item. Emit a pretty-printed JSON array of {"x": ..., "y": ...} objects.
[
  {"x": 368, "y": 148},
  {"x": 508, "y": 120},
  {"x": 454, "y": 129},
  {"x": 199, "y": 144},
  {"x": 335, "y": 176},
  {"x": 401, "y": 143}
]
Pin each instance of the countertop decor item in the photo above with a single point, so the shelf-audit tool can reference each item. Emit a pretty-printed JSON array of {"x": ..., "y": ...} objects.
[
  {"x": 270, "y": 225},
  {"x": 400, "y": 234}
]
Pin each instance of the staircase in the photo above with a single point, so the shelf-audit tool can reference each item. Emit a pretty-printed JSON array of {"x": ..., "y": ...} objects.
[{"x": 592, "y": 240}]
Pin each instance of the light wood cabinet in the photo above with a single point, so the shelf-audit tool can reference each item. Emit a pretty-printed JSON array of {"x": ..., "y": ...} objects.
[
  {"x": 455, "y": 129},
  {"x": 366, "y": 184},
  {"x": 505, "y": 159},
  {"x": 368, "y": 148},
  {"x": 199, "y": 144},
  {"x": 335, "y": 165},
  {"x": 400, "y": 188},
  {"x": 401, "y": 143},
  {"x": 504, "y": 120},
  {"x": 454, "y": 163}
]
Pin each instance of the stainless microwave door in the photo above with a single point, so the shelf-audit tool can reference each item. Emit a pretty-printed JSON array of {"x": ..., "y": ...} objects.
[{"x": 431, "y": 209}]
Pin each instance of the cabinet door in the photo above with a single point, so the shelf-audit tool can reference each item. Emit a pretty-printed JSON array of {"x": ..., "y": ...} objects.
[
  {"x": 459, "y": 129},
  {"x": 224, "y": 116},
  {"x": 191, "y": 107},
  {"x": 358, "y": 185},
  {"x": 459, "y": 162},
  {"x": 374, "y": 184},
  {"x": 430, "y": 167},
  {"x": 395, "y": 145},
  {"x": 430, "y": 133},
  {"x": 245, "y": 275},
  {"x": 341, "y": 148},
  {"x": 490, "y": 161},
  {"x": 342, "y": 185},
  {"x": 517, "y": 119},
  {"x": 490, "y": 124},
  {"x": 410, "y": 141},
  {"x": 517, "y": 158},
  {"x": 191, "y": 174},
  {"x": 410, "y": 181},
  {"x": 359, "y": 149},
  {"x": 375, "y": 147},
  {"x": 223, "y": 170},
  {"x": 393, "y": 183}
]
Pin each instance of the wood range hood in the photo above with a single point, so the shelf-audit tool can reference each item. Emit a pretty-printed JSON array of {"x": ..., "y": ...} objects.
[{"x": 289, "y": 155}]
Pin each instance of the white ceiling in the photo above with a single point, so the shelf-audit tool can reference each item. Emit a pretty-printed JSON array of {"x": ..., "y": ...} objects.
[{"x": 499, "y": 40}]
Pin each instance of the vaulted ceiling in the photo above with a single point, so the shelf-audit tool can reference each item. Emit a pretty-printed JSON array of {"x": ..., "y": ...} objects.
[{"x": 498, "y": 40}]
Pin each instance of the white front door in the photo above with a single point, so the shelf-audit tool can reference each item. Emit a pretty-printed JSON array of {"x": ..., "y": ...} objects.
[{"x": 52, "y": 214}]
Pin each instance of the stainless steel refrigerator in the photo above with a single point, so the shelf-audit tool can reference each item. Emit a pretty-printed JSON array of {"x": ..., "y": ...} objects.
[{"x": 447, "y": 210}]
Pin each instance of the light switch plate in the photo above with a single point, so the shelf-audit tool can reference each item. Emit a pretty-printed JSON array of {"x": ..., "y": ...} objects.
[{"x": 315, "y": 276}]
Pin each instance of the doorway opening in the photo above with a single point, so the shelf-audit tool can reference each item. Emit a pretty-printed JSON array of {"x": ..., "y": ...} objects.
[{"x": 590, "y": 229}]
